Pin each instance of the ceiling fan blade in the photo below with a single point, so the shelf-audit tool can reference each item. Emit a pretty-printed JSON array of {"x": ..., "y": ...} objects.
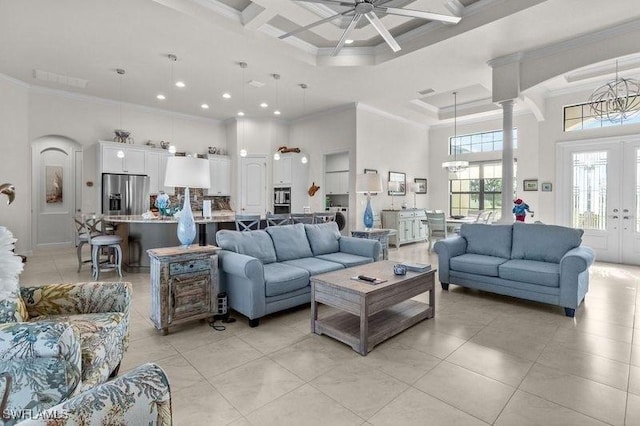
[
  {"x": 419, "y": 14},
  {"x": 331, "y": 2},
  {"x": 314, "y": 24},
  {"x": 346, "y": 33},
  {"x": 386, "y": 35}
]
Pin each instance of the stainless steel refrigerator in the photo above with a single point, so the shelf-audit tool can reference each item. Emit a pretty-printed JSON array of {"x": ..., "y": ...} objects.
[{"x": 125, "y": 194}]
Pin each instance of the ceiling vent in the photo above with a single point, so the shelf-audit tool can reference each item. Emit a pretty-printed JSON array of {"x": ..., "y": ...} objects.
[
  {"x": 426, "y": 92},
  {"x": 65, "y": 80},
  {"x": 255, "y": 83}
]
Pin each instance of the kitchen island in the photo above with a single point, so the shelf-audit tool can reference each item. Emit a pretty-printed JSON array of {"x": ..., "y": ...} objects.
[{"x": 140, "y": 234}]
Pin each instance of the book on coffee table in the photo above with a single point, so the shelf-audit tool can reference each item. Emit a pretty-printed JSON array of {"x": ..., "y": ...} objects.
[{"x": 417, "y": 267}]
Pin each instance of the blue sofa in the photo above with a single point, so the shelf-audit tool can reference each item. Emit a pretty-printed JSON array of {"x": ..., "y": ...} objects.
[
  {"x": 267, "y": 271},
  {"x": 545, "y": 263}
]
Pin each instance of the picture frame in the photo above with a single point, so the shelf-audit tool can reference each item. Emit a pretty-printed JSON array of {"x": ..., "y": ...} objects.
[
  {"x": 402, "y": 179},
  {"x": 530, "y": 185},
  {"x": 546, "y": 187},
  {"x": 422, "y": 185}
]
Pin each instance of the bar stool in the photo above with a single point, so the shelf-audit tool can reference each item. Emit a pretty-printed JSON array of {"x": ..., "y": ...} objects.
[{"x": 108, "y": 242}]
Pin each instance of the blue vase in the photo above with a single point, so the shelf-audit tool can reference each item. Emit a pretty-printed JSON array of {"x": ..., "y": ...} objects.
[
  {"x": 368, "y": 214},
  {"x": 186, "y": 223}
]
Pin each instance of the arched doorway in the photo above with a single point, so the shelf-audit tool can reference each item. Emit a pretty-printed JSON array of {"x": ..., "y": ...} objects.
[{"x": 56, "y": 189}]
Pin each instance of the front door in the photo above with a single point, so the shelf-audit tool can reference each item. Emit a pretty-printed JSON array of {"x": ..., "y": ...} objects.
[
  {"x": 253, "y": 185},
  {"x": 599, "y": 193}
]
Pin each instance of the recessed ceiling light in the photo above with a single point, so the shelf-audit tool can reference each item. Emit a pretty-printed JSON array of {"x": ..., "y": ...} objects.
[
  {"x": 226, "y": 95},
  {"x": 276, "y": 112},
  {"x": 204, "y": 106},
  {"x": 264, "y": 105},
  {"x": 241, "y": 114},
  {"x": 180, "y": 84},
  {"x": 348, "y": 41},
  {"x": 161, "y": 97}
]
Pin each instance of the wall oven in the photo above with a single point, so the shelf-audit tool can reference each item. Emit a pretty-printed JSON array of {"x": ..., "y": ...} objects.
[{"x": 281, "y": 200}]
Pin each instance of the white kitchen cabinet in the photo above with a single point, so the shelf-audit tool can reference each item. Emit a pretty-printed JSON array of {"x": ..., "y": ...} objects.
[
  {"x": 156, "y": 169},
  {"x": 220, "y": 172},
  {"x": 407, "y": 223},
  {"x": 282, "y": 171},
  {"x": 336, "y": 183},
  {"x": 120, "y": 158}
]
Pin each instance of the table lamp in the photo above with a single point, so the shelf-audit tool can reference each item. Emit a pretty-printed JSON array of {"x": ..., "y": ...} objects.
[
  {"x": 415, "y": 187},
  {"x": 187, "y": 172},
  {"x": 368, "y": 183},
  {"x": 393, "y": 187}
]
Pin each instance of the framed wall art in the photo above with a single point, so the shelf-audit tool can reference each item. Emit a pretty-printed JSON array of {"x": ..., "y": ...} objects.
[
  {"x": 397, "y": 183},
  {"x": 421, "y": 185},
  {"x": 530, "y": 185}
]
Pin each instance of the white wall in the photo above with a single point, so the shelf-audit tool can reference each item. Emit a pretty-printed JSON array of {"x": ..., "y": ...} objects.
[
  {"x": 15, "y": 166},
  {"x": 386, "y": 143},
  {"x": 330, "y": 132}
]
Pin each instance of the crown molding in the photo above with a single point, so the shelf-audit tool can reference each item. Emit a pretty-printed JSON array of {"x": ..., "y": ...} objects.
[
  {"x": 14, "y": 81},
  {"x": 373, "y": 110},
  {"x": 104, "y": 101},
  {"x": 339, "y": 108},
  {"x": 578, "y": 42}
]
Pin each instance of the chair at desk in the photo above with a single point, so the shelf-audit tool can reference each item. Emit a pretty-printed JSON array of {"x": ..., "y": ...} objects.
[
  {"x": 437, "y": 227},
  {"x": 247, "y": 222},
  {"x": 87, "y": 226},
  {"x": 302, "y": 218},
  {"x": 278, "y": 219},
  {"x": 323, "y": 217}
]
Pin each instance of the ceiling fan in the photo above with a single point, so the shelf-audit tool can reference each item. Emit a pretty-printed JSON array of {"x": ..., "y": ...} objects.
[{"x": 367, "y": 8}]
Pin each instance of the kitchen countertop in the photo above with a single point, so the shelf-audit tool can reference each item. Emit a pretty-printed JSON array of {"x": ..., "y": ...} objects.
[{"x": 216, "y": 216}]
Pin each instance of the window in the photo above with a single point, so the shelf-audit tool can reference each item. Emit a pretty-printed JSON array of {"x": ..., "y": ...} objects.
[
  {"x": 479, "y": 142},
  {"x": 580, "y": 117},
  {"x": 477, "y": 188},
  {"x": 589, "y": 190}
]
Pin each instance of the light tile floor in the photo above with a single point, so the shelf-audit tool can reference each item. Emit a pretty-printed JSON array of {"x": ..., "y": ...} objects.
[{"x": 484, "y": 359}]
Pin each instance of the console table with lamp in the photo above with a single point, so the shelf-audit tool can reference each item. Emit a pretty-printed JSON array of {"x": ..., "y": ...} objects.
[{"x": 370, "y": 183}]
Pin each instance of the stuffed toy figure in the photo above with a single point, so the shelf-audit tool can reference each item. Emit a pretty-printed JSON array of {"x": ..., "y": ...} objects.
[{"x": 520, "y": 209}]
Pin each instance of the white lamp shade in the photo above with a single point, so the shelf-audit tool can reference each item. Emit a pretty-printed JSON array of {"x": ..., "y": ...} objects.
[
  {"x": 394, "y": 186},
  {"x": 187, "y": 172},
  {"x": 368, "y": 183}
]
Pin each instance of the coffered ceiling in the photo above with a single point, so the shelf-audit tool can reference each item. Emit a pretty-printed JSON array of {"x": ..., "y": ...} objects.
[{"x": 86, "y": 40}]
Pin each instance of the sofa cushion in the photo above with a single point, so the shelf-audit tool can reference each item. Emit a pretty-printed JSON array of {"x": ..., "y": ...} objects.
[
  {"x": 347, "y": 259},
  {"x": 38, "y": 384},
  {"x": 531, "y": 271},
  {"x": 476, "y": 264},
  {"x": 546, "y": 243},
  {"x": 101, "y": 342},
  {"x": 290, "y": 241},
  {"x": 281, "y": 279},
  {"x": 489, "y": 240},
  {"x": 323, "y": 237},
  {"x": 256, "y": 244},
  {"x": 314, "y": 265}
]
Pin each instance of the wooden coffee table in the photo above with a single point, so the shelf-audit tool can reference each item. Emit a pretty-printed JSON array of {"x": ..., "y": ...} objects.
[{"x": 370, "y": 313}]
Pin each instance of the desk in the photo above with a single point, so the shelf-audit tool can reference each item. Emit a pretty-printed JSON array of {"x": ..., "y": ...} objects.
[{"x": 381, "y": 235}]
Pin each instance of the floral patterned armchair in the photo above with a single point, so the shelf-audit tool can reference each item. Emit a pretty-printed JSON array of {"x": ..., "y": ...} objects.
[
  {"x": 139, "y": 397},
  {"x": 98, "y": 311}
]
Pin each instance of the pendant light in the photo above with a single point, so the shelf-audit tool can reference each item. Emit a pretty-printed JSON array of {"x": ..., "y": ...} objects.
[
  {"x": 304, "y": 159},
  {"x": 172, "y": 60},
  {"x": 276, "y": 77},
  {"x": 119, "y": 133},
  {"x": 616, "y": 100},
  {"x": 243, "y": 66},
  {"x": 456, "y": 165}
]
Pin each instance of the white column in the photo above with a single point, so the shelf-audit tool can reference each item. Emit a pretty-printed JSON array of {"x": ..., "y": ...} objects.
[{"x": 507, "y": 161}]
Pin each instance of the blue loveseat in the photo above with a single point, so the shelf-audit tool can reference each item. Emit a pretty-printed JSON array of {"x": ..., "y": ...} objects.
[
  {"x": 545, "y": 263},
  {"x": 268, "y": 271}
]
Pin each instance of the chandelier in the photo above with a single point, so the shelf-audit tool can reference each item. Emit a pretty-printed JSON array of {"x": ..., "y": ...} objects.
[
  {"x": 616, "y": 100},
  {"x": 456, "y": 165}
]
